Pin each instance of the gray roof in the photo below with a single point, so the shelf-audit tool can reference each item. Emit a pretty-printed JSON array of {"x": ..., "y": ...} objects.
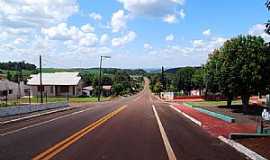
[{"x": 58, "y": 78}]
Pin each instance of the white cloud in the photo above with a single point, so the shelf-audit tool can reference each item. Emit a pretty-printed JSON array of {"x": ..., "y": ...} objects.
[
  {"x": 64, "y": 33},
  {"x": 95, "y": 16},
  {"x": 169, "y": 37},
  {"x": 170, "y": 18},
  {"x": 198, "y": 43},
  {"x": 259, "y": 30},
  {"x": 207, "y": 32},
  {"x": 31, "y": 13},
  {"x": 87, "y": 28},
  {"x": 167, "y": 10},
  {"x": 104, "y": 39},
  {"x": 119, "y": 21},
  {"x": 147, "y": 46},
  {"x": 182, "y": 14},
  {"x": 121, "y": 41}
]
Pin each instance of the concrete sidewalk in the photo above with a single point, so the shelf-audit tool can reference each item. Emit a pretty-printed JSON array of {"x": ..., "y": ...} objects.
[
  {"x": 21, "y": 117},
  {"x": 215, "y": 126}
]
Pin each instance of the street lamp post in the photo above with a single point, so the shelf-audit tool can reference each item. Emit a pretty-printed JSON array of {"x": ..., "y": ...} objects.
[{"x": 99, "y": 81}]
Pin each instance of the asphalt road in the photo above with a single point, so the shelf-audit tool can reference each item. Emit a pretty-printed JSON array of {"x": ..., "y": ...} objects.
[{"x": 138, "y": 127}]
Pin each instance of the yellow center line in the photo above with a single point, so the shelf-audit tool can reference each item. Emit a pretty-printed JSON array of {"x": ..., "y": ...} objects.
[{"x": 51, "y": 152}]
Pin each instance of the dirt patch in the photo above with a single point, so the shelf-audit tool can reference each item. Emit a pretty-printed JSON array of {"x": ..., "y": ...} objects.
[{"x": 259, "y": 145}]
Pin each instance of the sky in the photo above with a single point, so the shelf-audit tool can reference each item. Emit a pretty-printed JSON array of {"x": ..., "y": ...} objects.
[{"x": 135, "y": 33}]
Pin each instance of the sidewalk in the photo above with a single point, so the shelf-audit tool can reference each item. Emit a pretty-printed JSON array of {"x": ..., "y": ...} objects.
[
  {"x": 20, "y": 117},
  {"x": 215, "y": 126}
]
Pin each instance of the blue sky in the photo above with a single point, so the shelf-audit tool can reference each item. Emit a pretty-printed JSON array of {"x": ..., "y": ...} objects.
[{"x": 135, "y": 33}]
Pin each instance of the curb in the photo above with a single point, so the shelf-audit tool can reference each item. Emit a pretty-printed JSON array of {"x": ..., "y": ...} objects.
[
  {"x": 199, "y": 123},
  {"x": 247, "y": 135},
  {"x": 211, "y": 113},
  {"x": 239, "y": 147},
  {"x": 242, "y": 149},
  {"x": 34, "y": 116}
]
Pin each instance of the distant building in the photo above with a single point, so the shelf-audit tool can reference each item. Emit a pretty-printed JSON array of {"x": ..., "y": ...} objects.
[
  {"x": 57, "y": 84},
  {"x": 12, "y": 90},
  {"x": 106, "y": 90}
]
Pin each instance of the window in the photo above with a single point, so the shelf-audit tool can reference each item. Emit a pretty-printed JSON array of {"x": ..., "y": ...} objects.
[
  {"x": 51, "y": 89},
  {"x": 10, "y": 91}
]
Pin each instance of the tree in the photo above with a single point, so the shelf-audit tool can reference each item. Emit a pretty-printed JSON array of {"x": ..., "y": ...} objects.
[
  {"x": 198, "y": 80},
  {"x": 122, "y": 78},
  {"x": 242, "y": 68},
  {"x": 183, "y": 79},
  {"x": 267, "y": 4}
]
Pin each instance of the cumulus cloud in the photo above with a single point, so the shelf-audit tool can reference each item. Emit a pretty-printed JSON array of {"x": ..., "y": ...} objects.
[
  {"x": 63, "y": 32},
  {"x": 119, "y": 21},
  {"x": 170, "y": 18},
  {"x": 104, "y": 39},
  {"x": 30, "y": 13},
  {"x": 169, "y": 37},
  {"x": 167, "y": 10},
  {"x": 258, "y": 30},
  {"x": 147, "y": 46},
  {"x": 87, "y": 28},
  {"x": 95, "y": 16},
  {"x": 207, "y": 32},
  {"x": 121, "y": 41}
]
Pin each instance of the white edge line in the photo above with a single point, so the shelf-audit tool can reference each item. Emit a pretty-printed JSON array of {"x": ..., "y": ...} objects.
[
  {"x": 45, "y": 122},
  {"x": 187, "y": 116},
  {"x": 34, "y": 116},
  {"x": 240, "y": 148},
  {"x": 168, "y": 147}
]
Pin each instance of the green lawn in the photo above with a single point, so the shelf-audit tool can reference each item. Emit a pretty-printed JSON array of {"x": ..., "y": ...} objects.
[
  {"x": 54, "y": 99},
  {"x": 215, "y": 103}
]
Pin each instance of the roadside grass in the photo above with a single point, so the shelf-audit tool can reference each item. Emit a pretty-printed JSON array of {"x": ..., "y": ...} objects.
[
  {"x": 214, "y": 103},
  {"x": 34, "y": 100}
]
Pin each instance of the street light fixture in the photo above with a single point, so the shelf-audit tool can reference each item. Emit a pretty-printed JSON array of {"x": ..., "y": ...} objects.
[{"x": 99, "y": 82}]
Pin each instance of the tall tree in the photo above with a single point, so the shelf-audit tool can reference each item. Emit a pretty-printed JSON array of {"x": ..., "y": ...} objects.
[
  {"x": 242, "y": 67},
  {"x": 267, "y": 30}
]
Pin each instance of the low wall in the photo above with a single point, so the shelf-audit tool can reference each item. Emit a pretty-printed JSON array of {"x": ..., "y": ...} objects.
[
  {"x": 10, "y": 111},
  {"x": 188, "y": 97}
]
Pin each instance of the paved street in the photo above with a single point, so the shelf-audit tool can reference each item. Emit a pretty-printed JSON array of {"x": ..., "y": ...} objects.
[{"x": 136, "y": 127}]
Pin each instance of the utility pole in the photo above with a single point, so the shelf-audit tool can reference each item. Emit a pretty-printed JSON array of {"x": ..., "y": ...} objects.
[
  {"x": 40, "y": 79},
  {"x": 163, "y": 79},
  {"x": 99, "y": 81},
  {"x": 19, "y": 73}
]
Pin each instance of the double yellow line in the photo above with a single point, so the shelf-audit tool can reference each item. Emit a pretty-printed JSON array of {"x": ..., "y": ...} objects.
[{"x": 51, "y": 152}]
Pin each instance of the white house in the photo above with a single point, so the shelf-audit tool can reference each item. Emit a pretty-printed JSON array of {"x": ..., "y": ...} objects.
[
  {"x": 57, "y": 84},
  {"x": 12, "y": 90}
]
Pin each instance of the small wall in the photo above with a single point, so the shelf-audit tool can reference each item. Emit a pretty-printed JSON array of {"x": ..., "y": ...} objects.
[
  {"x": 10, "y": 111},
  {"x": 188, "y": 97}
]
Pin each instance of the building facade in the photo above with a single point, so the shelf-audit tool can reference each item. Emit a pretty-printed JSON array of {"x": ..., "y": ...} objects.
[{"x": 56, "y": 84}]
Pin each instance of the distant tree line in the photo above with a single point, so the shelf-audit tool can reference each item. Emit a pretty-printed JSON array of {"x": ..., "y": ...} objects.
[
  {"x": 17, "y": 66},
  {"x": 121, "y": 81},
  {"x": 182, "y": 79}
]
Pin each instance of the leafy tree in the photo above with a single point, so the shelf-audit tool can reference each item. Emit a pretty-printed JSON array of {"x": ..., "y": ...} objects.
[
  {"x": 198, "y": 80},
  {"x": 242, "y": 68},
  {"x": 183, "y": 79},
  {"x": 267, "y": 4},
  {"x": 122, "y": 78}
]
